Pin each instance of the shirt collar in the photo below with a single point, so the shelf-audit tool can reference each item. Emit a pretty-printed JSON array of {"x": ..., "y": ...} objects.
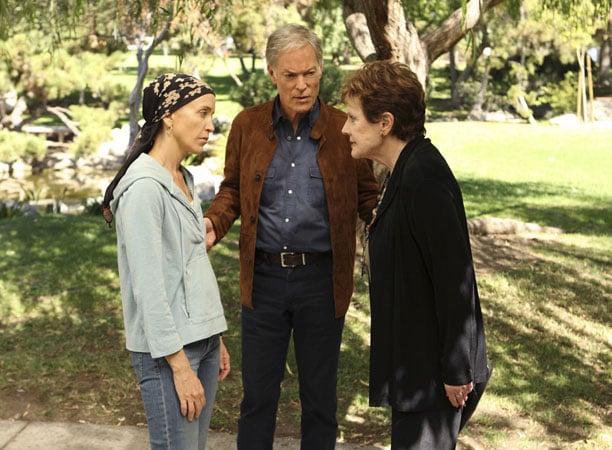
[{"x": 277, "y": 113}]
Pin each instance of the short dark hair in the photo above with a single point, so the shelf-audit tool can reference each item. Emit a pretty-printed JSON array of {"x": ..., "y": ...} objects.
[{"x": 389, "y": 86}]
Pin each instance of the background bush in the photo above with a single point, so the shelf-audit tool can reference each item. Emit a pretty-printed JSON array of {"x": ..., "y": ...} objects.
[
  {"x": 259, "y": 87},
  {"x": 15, "y": 145},
  {"x": 96, "y": 125}
]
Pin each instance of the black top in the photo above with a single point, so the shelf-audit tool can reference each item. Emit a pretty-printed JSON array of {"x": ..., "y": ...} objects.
[{"x": 427, "y": 326}]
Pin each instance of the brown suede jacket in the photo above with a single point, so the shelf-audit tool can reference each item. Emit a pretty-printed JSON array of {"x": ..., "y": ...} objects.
[{"x": 350, "y": 188}]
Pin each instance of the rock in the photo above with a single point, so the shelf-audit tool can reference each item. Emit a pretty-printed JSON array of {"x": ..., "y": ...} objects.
[
  {"x": 496, "y": 225},
  {"x": 566, "y": 120},
  {"x": 23, "y": 208},
  {"x": 206, "y": 182}
]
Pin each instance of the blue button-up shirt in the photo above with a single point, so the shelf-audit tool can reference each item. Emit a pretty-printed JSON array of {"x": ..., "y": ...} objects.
[{"x": 293, "y": 213}]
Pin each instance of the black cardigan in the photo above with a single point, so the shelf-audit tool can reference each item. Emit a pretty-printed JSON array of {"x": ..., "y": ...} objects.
[{"x": 427, "y": 326}]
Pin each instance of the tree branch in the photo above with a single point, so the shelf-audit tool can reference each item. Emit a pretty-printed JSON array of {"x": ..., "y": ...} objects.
[{"x": 440, "y": 40}]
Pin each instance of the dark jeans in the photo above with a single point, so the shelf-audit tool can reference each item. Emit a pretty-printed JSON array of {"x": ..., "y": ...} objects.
[{"x": 286, "y": 301}]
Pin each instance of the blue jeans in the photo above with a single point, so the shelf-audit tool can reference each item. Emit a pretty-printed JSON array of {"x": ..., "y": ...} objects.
[
  {"x": 288, "y": 302},
  {"x": 168, "y": 428}
]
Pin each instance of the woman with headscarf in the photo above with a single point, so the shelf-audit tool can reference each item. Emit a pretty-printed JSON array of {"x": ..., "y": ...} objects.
[
  {"x": 427, "y": 356},
  {"x": 171, "y": 304}
]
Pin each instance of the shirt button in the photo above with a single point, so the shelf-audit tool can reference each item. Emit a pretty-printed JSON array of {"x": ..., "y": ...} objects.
[
  {"x": 288, "y": 138},
  {"x": 292, "y": 164},
  {"x": 286, "y": 219},
  {"x": 299, "y": 138},
  {"x": 290, "y": 191}
]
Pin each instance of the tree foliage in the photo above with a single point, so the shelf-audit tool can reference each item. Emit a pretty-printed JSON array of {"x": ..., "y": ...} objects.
[
  {"x": 385, "y": 30},
  {"x": 416, "y": 32},
  {"x": 14, "y": 146},
  {"x": 142, "y": 24}
]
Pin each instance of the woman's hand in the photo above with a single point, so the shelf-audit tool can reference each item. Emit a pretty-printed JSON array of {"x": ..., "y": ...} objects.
[
  {"x": 224, "y": 363},
  {"x": 458, "y": 395},
  {"x": 188, "y": 386}
]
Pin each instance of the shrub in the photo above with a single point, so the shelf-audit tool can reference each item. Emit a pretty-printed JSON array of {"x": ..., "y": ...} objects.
[
  {"x": 8, "y": 211},
  {"x": 332, "y": 79},
  {"x": 16, "y": 145},
  {"x": 259, "y": 88},
  {"x": 95, "y": 124},
  {"x": 561, "y": 96}
]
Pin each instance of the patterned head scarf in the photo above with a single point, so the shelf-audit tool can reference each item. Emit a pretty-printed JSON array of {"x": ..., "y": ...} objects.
[
  {"x": 161, "y": 97},
  {"x": 169, "y": 92}
]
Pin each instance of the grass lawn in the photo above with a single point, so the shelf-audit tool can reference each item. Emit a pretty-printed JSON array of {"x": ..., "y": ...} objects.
[
  {"x": 546, "y": 300},
  {"x": 546, "y": 297}
]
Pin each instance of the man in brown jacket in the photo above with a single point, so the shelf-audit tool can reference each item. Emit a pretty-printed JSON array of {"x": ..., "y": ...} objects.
[{"x": 289, "y": 175}]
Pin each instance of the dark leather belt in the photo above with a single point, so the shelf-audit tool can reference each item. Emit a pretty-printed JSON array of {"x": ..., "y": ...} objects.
[{"x": 290, "y": 259}]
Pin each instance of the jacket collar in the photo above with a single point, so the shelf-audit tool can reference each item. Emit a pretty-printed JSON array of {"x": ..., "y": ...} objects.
[
  {"x": 319, "y": 122},
  {"x": 395, "y": 178},
  {"x": 277, "y": 113}
]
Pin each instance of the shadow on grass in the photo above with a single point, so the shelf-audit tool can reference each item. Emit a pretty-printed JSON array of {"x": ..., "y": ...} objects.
[
  {"x": 541, "y": 203},
  {"x": 546, "y": 334},
  {"x": 62, "y": 349},
  {"x": 59, "y": 261},
  {"x": 61, "y": 322}
]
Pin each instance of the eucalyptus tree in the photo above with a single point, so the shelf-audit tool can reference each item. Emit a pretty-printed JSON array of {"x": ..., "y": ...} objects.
[{"x": 385, "y": 30}]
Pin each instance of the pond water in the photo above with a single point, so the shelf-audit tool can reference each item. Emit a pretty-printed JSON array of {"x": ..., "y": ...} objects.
[
  {"x": 70, "y": 187},
  {"x": 74, "y": 187}
]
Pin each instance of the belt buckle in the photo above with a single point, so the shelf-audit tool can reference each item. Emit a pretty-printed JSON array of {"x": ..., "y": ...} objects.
[{"x": 285, "y": 254}]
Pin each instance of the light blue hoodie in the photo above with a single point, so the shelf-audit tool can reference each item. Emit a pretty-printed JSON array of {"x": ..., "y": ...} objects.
[{"x": 168, "y": 287}]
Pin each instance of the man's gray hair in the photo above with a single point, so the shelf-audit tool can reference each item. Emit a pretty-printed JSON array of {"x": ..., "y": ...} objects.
[{"x": 291, "y": 37}]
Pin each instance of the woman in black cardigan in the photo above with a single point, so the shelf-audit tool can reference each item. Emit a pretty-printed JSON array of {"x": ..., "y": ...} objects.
[{"x": 428, "y": 357}]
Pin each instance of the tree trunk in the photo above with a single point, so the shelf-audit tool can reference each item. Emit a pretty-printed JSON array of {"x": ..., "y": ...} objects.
[
  {"x": 379, "y": 30},
  {"x": 440, "y": 40},
  {"x": 477, "y": 112},
  {"x": 143, "y": 53},
  {"x": 15, "y": 119},
  {"x": 452, "y": 64},
  {"x": 605, "y": 56},
  {"x": 62, "y": 114},
  {"x": 357, "y": 29}
]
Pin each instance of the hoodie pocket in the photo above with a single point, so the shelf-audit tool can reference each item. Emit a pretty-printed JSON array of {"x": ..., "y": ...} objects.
[{"x": 202, "y": 298}]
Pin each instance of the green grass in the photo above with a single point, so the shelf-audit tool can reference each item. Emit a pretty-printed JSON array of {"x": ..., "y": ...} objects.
[
  {"x": 546, "y": 298},
  {"x": 546, "y": 301},
  {"x": 544, "y": 174}
]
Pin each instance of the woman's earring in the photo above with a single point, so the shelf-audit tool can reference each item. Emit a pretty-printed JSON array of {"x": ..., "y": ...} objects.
[{"x": 169, "y": 130}]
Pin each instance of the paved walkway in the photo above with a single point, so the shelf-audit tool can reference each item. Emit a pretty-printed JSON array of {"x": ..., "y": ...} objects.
[{"x": 24, "y": 435}]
